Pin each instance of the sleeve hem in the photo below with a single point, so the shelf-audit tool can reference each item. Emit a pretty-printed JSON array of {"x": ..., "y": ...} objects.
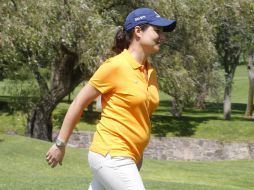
[{"x": 94, "y": 85}]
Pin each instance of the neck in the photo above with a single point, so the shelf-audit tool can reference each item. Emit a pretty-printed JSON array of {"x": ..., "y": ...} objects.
[{"x": 138, "y": 54}]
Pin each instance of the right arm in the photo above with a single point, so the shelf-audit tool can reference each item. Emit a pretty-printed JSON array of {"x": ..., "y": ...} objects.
[{"x": 84, "y": 98}]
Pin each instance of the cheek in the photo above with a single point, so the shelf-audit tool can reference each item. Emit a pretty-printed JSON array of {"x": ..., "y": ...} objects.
[{"x": 148, "y": 39}]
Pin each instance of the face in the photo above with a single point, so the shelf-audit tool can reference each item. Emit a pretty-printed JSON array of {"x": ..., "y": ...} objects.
[{"x": 151, "y": 39}]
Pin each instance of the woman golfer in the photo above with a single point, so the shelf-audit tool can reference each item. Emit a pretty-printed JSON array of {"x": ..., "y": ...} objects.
[{"x": 128, "y": 87}]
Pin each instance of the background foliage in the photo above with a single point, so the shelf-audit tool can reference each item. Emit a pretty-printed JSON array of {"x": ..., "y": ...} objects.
[{"x": 36, "y": 36}]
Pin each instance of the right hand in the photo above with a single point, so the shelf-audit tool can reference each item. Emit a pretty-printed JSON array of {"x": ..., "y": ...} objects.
[{"x": 55, "y": 155}]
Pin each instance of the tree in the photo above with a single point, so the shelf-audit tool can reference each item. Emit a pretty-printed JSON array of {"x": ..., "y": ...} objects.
[
  {"x": 61, "y": 43},
  {"x": 249, "y": 107},
  {"x": 188, "y": 71},
  {"x": 248, "y": 51},
  {"x": 230, "y": 41},
  {"x": 50, "y": 35}
]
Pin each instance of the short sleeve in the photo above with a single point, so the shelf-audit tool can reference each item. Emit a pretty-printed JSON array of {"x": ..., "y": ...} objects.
[{"x": 105, "y": 77}]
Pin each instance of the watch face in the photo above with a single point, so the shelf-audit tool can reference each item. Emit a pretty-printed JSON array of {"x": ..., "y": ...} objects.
[{"x": 59, "y": 143}]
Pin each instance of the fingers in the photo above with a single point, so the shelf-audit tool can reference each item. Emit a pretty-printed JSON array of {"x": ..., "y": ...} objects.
[
  {"x": 49, "y": 159},
  {"x": 61, "y": 161},
  {"x": 52, "y": 162}
]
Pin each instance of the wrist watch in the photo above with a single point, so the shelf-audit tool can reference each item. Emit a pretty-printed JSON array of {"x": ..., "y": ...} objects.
[{"x": 60, "y": 143}]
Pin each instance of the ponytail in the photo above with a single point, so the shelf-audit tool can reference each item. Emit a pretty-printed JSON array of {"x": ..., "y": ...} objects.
[{"x": 122, "y": 40}]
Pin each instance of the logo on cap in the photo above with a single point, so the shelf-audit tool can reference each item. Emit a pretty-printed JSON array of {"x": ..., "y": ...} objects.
[{"x": 139, "y": 18}]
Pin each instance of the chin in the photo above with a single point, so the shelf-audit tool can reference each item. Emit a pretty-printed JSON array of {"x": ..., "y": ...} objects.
[
  {"x": 153, "y": 49},
  {"x": 156, "y": 49}
]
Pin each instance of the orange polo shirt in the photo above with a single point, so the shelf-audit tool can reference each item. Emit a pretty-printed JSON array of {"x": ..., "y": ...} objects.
[{"x": 128, "y": 100}]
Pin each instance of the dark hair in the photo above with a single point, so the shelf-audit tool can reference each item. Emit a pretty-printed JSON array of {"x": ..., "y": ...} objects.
[{"x": 123, "y": 38}]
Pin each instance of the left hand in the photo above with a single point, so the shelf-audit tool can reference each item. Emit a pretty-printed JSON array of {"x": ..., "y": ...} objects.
[{"x": 55, "y": 155}]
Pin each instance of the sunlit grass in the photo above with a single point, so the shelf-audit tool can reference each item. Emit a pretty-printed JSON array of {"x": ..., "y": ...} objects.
[{"x": 23, "y": 167}]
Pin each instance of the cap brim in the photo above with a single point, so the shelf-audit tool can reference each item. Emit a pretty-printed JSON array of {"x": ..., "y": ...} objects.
[{"x": 168, "y": 25}]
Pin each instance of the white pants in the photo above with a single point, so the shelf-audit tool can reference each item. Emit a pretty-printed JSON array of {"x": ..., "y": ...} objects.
[{"x": 114, "y": 173}]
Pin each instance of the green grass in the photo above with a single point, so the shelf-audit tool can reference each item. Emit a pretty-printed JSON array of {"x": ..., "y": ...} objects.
[
  {"x": 12, "y": 122},
  {"x": 208, "y": 123},
  {"x": 23, "y": 167},
  {"x": 240, "y": 85}
]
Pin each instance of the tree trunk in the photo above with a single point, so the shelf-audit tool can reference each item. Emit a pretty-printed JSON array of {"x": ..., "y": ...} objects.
[
  {"x": 227, "y": 97},
  {"x": 177, "y": 108},
  {"x": 39, "y": 124},
  {"x": 249, "y": 107},
  {"x": 65, "y": 76},
  {"x": 200, "y": 97}
]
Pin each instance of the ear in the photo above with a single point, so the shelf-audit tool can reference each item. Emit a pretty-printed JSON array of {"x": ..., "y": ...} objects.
[{"x": 138, "y": 31}]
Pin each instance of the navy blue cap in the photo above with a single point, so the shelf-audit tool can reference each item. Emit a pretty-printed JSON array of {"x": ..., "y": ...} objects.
[{"x": 148, "y": 16}]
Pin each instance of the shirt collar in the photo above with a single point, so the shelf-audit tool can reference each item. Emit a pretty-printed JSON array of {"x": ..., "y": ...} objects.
[{"x": 134, "y": 64}]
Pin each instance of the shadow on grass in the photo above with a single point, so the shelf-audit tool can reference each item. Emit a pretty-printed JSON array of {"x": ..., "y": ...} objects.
[
  {"x": 183, "y": 126},
  {"x": 237, "y": 108},
  {"x": 164, "y": 123},
  {"x": 162, "y": 120}
]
